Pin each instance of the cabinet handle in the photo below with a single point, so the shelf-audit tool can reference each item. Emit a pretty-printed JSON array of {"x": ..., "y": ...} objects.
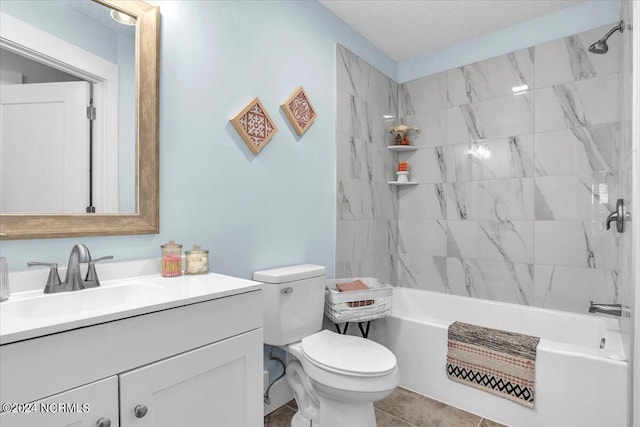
[
  {"x": 104, "y": 422},
  {"x": 140, "y": 411}
]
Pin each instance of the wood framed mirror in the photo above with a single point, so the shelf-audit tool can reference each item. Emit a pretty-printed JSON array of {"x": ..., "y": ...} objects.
[{"x": 145, "y": 218}]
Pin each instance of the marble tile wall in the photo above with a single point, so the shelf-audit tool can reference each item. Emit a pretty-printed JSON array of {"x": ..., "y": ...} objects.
[
  {"x": 525, "y": 224},
  {"x": 626, "y": 152},
  {"x": 367, "y": 207}
]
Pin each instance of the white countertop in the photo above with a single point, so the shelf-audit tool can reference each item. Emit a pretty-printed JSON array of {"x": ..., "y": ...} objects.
[{"x": 31, "y": 314}]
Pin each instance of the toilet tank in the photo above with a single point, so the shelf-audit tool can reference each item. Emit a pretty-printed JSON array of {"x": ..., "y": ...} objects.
[{"x": 293, "y": 302}]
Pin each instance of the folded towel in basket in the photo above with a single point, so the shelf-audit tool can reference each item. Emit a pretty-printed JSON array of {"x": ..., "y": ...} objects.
[
  {"x": 356, "y": 285},
  {"x": 499, "y": 362}
]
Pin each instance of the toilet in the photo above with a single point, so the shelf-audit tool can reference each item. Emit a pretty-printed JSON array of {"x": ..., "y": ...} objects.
[{"x": 335, "y": 378}]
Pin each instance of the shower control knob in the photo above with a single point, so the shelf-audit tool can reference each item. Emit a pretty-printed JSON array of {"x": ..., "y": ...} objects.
[
  {"x": 140, "y": 411},
  {"x": 104, "y": 422},
  {"x": 618, "y": 216}
]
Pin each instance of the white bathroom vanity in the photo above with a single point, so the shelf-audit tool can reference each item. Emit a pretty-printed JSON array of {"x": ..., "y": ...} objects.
[{"x": 141, "y": 351}]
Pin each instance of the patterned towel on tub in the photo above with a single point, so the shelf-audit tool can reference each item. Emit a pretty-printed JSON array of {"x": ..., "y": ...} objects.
[{"x": 500, "y": 362}]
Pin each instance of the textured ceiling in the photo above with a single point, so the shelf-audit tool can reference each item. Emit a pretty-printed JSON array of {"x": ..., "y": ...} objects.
[{"x": 404, "y": 29}]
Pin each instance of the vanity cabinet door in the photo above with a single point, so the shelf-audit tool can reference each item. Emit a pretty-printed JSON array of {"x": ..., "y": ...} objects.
[
  {"x": 84, "y": 406},
  {"x": 216, "y": 385}
]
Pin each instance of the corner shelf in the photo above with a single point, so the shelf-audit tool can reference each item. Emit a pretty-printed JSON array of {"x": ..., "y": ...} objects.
[
  {"x": 402, "y": 183},
  {"x": 399, "y": 148},
  {"x": 402, "y": 147}
]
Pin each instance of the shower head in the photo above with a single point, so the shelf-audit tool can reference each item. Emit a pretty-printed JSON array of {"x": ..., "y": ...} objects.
[{"x": 601, "y": 45}]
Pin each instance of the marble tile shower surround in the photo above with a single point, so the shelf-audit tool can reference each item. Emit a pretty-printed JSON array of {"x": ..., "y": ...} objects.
[
  {"x": 367, "y": 207},
  {"x": 525, "y": 225},
  {"x": 625, "y": 190}
]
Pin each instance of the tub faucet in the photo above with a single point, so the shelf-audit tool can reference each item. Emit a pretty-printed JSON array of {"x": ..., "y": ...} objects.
[{"x": 612, "y": 309}]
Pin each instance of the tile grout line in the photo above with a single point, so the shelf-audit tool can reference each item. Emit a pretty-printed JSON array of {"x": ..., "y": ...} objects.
[
  {"x": 480, "y": 422},
  {"x": 397, "y": 418},
  {"x": 376, "y": 409}
]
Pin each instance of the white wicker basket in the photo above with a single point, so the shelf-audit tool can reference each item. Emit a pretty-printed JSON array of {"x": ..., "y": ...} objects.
[{"x": 357, "y": 306}]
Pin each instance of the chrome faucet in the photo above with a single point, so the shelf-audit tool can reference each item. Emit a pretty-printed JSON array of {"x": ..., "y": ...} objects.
[
  {"x": 612, "y": 309},
  {"x": 73, "y": 280}
]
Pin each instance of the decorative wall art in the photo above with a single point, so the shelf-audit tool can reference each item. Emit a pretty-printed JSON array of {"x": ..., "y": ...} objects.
[
  {"x": 299, "y": 110},
  {"x": 254, "y": 125}
]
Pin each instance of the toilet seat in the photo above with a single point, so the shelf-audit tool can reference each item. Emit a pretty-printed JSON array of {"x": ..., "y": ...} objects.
[
  {"x": 345, "y": 388},
  {"x": 348, "y": 355}
]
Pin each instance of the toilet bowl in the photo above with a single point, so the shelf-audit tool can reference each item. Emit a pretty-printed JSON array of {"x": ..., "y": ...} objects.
[
  {"x": 335, "y": 378},
  {"x": 347, "y": 374}
]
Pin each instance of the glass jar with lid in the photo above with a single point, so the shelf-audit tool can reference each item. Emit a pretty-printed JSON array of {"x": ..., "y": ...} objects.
[
  {"x": 171, "y": 259},
  {"x": 196, "y": 261}
]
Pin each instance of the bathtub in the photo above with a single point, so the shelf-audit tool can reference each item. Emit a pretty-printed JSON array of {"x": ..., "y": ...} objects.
[{"x": 577, "y": 382}]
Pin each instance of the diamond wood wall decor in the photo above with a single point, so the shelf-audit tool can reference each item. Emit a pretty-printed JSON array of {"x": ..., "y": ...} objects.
[
  {"x": 299, "y": 110},
  {"x": 254, "y": 125}
]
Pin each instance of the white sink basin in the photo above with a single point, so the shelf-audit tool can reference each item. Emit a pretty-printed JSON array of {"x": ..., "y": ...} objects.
[
  {"x": 94, "y": 301},
  {"x": 31, "y": 314}
]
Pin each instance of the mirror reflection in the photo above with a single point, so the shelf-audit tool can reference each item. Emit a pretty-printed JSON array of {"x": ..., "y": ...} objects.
[{"x": 67, "y": 95}]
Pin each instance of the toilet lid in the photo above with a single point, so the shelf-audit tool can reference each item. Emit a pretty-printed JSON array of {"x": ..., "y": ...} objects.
[{"x": 348, "y": 354}]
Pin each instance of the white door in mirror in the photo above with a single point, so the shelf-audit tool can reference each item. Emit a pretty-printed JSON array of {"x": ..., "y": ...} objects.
[{"x": 44, "y": 137}]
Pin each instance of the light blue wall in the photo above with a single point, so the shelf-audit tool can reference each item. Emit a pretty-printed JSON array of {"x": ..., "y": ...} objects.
[
  {"x": 572, "y": 20},
  {"x": 251, "y": 211}
]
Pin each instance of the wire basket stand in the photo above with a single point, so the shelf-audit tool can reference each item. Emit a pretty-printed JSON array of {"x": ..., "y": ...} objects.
[{"x": 357, "y": 306}]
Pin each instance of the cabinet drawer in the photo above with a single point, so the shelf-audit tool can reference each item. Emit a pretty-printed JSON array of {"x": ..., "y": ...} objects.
[{"x": 80, "y": 407}]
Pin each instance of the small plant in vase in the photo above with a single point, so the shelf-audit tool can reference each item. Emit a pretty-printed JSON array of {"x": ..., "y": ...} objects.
[{"x": 402, "y": 133}]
